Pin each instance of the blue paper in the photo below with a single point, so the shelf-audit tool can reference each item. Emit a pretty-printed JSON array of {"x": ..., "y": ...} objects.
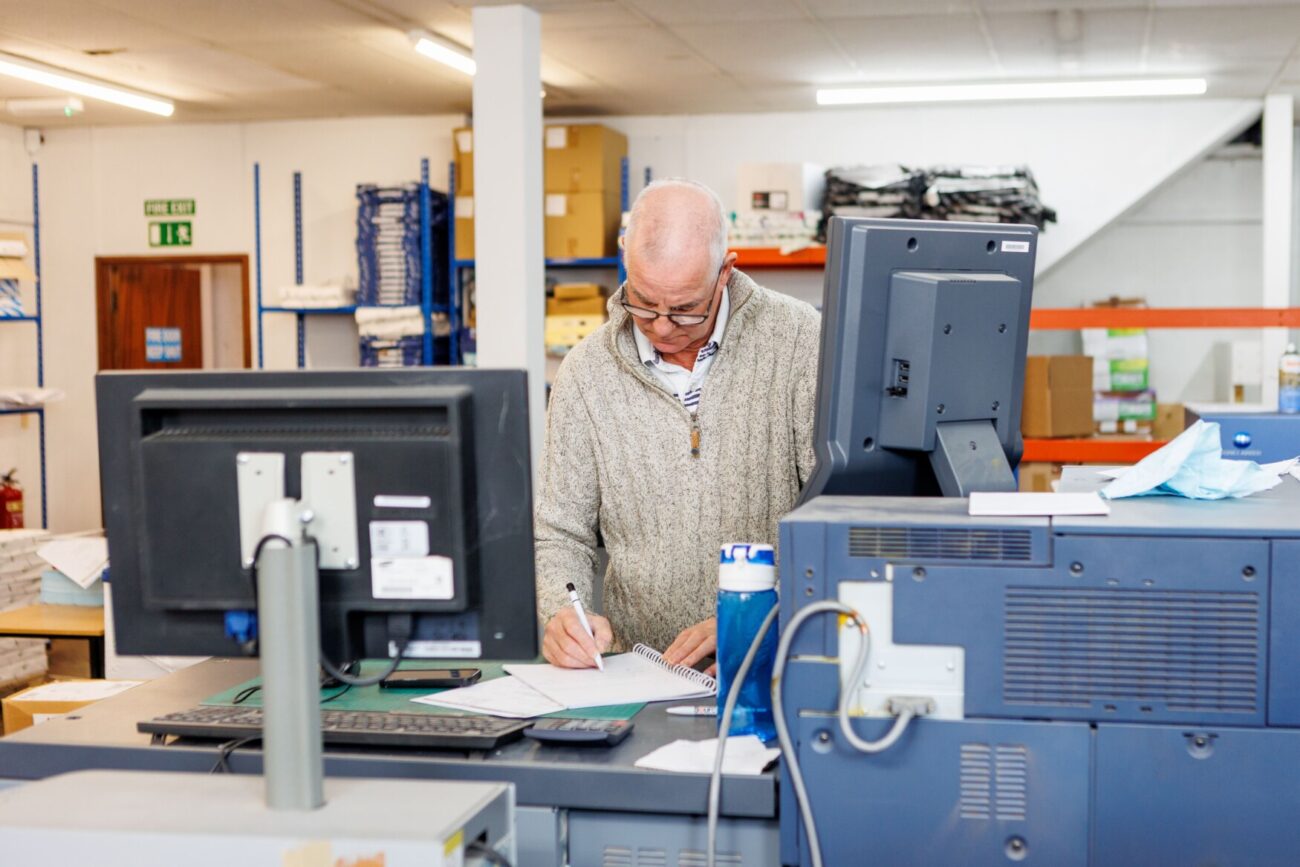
[{"x": 1192, "y": 465}]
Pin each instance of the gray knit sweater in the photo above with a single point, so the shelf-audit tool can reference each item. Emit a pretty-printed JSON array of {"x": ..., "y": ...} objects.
[{"x": 619, "y": 457}]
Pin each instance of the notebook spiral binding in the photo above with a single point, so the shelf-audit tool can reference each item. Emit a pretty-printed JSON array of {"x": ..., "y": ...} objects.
[{"x": 698, "y": 678}]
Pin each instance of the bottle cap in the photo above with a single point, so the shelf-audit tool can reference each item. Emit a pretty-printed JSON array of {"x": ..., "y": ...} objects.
[{"x": 746, "y": 568}]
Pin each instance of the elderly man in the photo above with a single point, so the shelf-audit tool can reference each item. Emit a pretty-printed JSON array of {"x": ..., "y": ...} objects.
[{"x": 682, "y": 423}]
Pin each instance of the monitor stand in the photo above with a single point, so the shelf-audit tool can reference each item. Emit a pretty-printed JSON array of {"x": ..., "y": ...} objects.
[{"x": 968, "y": 457}]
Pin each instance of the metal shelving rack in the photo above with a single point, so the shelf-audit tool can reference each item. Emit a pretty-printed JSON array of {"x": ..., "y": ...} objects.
[
  {"x": 427, "y": 307},
  {"x": 459, "y": 266},
  {"x": 36, "y": 319}
]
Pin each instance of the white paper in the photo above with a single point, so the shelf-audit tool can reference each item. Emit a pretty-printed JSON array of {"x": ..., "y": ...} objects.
[
  {"x": 411, "y": 578},
  {"x": 465, "y": 141},
  {"x": 557, "y": 204},
  {"x": 399, "y": 539},
  {"x": 501, "y": 696},
  {"x": 627, "y": 678},
  {"x": 1037, "y": 504},
  {"x": 1278, "y": 468},
  {"x": 557, "y": 137},
  {"x": 83, "y": 560},
  {"x": 79, "y": 690},
  {"x": 745, "y": 754}
]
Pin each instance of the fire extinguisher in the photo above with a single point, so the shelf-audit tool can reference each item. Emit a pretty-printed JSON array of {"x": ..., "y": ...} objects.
[{"x": 11, "y": 502}]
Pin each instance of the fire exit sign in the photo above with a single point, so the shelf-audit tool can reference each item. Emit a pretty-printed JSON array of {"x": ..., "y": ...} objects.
[
  {"x": 174, "y": 233},
  {"x": 169, "y": 207}
]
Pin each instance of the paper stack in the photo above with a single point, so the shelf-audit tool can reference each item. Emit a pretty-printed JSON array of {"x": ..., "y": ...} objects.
[{"x": 20, "y": 581}]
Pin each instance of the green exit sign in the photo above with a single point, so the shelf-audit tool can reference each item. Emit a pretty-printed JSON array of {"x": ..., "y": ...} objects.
[
  {"x": 176, "y": 233},
  {"x": 169, "y": 207}
]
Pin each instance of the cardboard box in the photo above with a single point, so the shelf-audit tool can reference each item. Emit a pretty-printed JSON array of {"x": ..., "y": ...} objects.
[
  {"x": 464, "y": 227},
  {"x": 779, "y": 187},
  {"x": 1124, "y": 412},
  {"x": 576, "y": 291},
  {"x": 462, "y": 146},
  {"x": 582, "y": 225},
  {"x": 1038, "y": 477},
  {"x": 1121, "y": 356},
  {"x": 1170, "y": 421},
  {"x": 565, "y": 332},
  {"x": 583, "y": 158},
  {"x": 1058, "y": 398},
  {"x": 38, "y": 703},
  {"x": 14, "y": 267},
  {"x": 577, "y": 307}
]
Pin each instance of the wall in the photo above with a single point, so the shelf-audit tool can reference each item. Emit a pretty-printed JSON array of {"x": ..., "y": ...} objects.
[{"x": 1094, "y": 162}]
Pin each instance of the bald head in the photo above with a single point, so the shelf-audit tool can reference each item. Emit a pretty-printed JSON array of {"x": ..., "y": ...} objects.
[{"x": 676, "y": 225}]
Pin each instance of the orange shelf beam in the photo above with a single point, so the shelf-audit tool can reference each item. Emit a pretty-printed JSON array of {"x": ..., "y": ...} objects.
[
  {"x": 1164, "y": 317},
  {"x": 1089, "y": 451},
  {"x": 772, "y": 257}
]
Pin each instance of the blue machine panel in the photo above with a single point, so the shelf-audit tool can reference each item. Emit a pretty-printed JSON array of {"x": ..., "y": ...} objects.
[
  {"x": 1195, "y": 797},
  {"x": 1284, "y": 636},
  {"x": 1258, "y": 436},
  {"x": 1124, "y": 629},
  {"x": 968, "y": 793}
]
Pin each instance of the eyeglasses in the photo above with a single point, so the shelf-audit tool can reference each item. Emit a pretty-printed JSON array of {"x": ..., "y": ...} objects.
[{"x": 646, "y": 315}]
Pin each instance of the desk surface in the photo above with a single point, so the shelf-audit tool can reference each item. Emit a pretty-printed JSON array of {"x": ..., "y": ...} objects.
[
  {"x": 103, "y": 735},
  {"x": 56, "y": 621}
]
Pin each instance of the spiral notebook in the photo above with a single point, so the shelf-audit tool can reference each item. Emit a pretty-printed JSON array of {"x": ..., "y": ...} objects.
[{"x": 639, "y": 676}]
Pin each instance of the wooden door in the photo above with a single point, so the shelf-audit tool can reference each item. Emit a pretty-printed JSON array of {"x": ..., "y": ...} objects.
[{"x": 150, "y": 317}]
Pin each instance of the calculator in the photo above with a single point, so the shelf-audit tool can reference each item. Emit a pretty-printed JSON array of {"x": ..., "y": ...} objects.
[{"x": 601, "y": 732}]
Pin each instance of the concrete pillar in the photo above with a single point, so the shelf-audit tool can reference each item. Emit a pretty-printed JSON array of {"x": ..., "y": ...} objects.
[
  {"x": 1279, "y": 228},
  {"x": 508, "y": 249}
]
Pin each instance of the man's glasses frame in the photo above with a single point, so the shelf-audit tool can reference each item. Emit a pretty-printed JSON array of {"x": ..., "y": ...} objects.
[{"x": 685, "y": 319}]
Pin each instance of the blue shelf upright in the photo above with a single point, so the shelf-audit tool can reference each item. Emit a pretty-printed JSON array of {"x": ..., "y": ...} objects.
[{"x": 38, "y": 321}]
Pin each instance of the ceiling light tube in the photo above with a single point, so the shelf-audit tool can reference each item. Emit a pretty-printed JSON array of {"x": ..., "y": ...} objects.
[
  {"x": 38, "y": 73},
  {"x": 1011, "y": 91},
  {"x": 439, "y": 49}
]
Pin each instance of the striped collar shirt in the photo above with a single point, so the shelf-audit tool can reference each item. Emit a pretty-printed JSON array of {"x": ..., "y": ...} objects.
[{"x": 683, "y": 384}]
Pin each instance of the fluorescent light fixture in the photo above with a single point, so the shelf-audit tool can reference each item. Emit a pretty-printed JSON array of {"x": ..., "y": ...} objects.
[
  {"x": 1012, "y": 90},
  {"x": 47, "y": 106},
  {"x": 39, "y": 73},
  {"x": 439, "y": 49}
]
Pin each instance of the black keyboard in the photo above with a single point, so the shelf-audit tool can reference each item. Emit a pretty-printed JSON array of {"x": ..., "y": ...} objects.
[{"x": 361, "y": 728}]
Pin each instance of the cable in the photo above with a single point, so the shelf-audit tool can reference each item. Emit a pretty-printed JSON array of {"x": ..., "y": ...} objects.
[
  {"x": 724, "y": 726},
  {"x": 907, "y": 710},
  {"x": 406, "y": 623},
  {"x": 487, "y": 853},
  {"x": 245, "y": 694},
  {"x": 226, "y": 749}
]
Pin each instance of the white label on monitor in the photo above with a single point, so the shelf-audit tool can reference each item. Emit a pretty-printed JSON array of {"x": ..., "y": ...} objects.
[
  {"x": 399, "y": 539},
  {"x": 557, "y": 204},
  {"x": 557, "y": 137},
  {"x": 395, "y": 501},
  {"x": 1015, "y": 246},
  {"x": 411, "y": 578},
  {"x": 439, "y": 649}
]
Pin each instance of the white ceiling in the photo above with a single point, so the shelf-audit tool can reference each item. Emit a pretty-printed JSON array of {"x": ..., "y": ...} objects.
[{"x": 261, "y": 59}]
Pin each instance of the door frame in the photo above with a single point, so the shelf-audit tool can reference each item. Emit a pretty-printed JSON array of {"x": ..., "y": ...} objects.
[{"x": 103, "y": 263}]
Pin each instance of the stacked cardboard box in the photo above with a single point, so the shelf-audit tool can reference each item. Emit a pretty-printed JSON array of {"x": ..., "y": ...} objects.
[
  {"x": 20, "y": 584},
  {"x": 582, "y": 180},
  {"x": 1058, "y": 396},
  {"x": 1123, "y": 401},
  {"x": 573, "y": 311}
]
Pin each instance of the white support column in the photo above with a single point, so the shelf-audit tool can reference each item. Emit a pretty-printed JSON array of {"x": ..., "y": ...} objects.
[
  {"x": 508, "y": 251},
  {"x": 1279, "y": 210}
]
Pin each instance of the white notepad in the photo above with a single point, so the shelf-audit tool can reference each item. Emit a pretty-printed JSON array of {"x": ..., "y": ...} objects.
[{"x": 642, "y": 675}]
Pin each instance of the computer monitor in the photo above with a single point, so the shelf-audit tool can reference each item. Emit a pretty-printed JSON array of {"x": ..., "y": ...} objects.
[
  {"x": 439, "y": 492},
  {"x": 924, "y": 331}
]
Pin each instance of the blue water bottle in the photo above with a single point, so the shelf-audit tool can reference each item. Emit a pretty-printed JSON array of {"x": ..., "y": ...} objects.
[{"x": 746, "y": 593}]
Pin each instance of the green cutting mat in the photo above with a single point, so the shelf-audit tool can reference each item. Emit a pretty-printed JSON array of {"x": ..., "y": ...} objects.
[{"x": 372, "y": 698}]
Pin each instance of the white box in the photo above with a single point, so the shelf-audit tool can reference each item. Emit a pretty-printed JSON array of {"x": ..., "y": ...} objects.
[{"x": 767, "y": 187}]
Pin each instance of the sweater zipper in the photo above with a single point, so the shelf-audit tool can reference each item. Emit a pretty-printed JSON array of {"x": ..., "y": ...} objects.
[{"x": 695, "y": 437}]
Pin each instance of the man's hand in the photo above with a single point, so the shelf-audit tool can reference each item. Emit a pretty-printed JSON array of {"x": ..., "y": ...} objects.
[
  {"x": 693, "y": 643},
  {"x": 566, "y": 644}
]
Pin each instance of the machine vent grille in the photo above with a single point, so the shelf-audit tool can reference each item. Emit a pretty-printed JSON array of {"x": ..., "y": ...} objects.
[
  {"x": 1176, "y": 650},
  {"x": 934, "y": 543},
  {"x": 994, "y": 781},
  {"x": 322, "y": 432},
  {"x": 698, "y": 858},
  {"x": 623, "y": 856}
]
